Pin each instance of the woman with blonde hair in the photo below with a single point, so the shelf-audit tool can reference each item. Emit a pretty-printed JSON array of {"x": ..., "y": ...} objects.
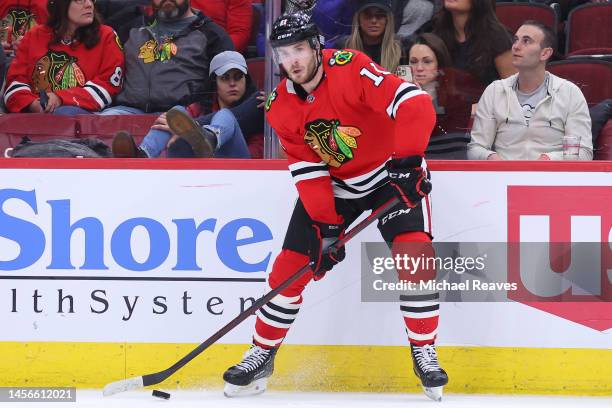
[{"x": 373, "y": 33}]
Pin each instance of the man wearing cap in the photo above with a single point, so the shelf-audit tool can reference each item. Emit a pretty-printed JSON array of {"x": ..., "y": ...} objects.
[
  {"x": 167, "y": 62},
  {"x": 219, "y": 134},
  {"x": 222, "y": 133}
]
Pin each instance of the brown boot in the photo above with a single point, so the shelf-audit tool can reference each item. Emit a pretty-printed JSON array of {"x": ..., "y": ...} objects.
[
  {"x": 202, "y": 140},
  {"x": 124, "y": 146}
]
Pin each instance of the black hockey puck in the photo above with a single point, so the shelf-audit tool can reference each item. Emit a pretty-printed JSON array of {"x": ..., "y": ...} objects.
[{"x": 161, "y": 394}]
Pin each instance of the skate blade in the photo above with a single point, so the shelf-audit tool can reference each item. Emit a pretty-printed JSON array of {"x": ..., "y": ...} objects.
[
  {"x": 435, "y": 393},
  {"x": 255, "y": 388}
]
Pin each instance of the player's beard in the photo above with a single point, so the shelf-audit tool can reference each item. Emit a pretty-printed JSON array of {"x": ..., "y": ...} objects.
[
  {"x": 174, "y": 14},
  {"x": 307, "y": 75}
]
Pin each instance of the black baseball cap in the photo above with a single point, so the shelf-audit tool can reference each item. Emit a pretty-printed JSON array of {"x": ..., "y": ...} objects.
[{"x": 381, "y": 4}]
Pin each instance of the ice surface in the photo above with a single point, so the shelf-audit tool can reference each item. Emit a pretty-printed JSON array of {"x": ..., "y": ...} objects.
[{"x": 276, "y": 399}]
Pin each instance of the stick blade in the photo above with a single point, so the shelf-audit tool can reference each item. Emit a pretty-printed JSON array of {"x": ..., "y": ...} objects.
[{"x": 122, "y": 386}]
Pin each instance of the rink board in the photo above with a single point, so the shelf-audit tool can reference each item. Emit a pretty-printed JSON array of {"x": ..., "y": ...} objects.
[{"x": 141, "y": 284}]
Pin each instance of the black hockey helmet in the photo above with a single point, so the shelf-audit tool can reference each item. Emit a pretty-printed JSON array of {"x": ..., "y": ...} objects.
[{"x": 295, "y": 27}]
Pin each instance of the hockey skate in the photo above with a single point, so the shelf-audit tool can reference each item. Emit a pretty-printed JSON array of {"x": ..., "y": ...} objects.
[
  {"x": 250, "y": 376},
  {"x": 426, "y": 367}
]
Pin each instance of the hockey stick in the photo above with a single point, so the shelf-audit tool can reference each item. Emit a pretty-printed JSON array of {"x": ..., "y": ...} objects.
[{"x": 155, "y": 378}]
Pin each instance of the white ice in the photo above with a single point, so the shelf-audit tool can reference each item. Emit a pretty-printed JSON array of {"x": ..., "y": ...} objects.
[{"x": 276, "y": 399}]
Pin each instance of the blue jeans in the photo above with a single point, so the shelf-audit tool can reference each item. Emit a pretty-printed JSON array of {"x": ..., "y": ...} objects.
[
  {"x": 69, "y": 110},
  {"x": 122, "y": 110},
  {"x": 230, "y": 144},
  {"x": 154, "y": 142}
]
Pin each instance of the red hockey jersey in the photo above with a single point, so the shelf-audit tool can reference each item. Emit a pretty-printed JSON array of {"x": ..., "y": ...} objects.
[
  {"x": 234, "y": 16},
  {"x": 88, "y": 78},
  {"x": 339, "y": 137},
  {"x": 18, "y": 16}
]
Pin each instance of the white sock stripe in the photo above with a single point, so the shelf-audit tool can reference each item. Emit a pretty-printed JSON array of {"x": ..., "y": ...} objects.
[
  {"x": 422, "y": 315},
  {"x": 422, "y": 304},
  {"x": 278, "y": 314},
  {"x": 271, "y": 322},
  {"x": 421, "y": 337},
  {"x": 267, "y": 342},
  {"x": 276, "y": 317},
  {"x": 281, "y": 299},
  {"x": 292, "y": 306}
]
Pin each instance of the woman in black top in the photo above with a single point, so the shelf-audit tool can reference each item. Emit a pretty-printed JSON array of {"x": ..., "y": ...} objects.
[{"x": 477, "y": 41}]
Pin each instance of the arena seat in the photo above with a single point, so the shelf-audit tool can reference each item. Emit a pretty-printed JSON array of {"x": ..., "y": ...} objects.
[
  {"x": 593, "y": 76},
  {"x": 588, "y": 26},
  {"x": 512, "y": 15},
  {"x": 599, "y": 53}
]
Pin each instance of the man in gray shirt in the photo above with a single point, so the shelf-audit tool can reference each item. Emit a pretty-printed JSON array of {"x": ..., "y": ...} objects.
[{"x": 526, "y": 116}]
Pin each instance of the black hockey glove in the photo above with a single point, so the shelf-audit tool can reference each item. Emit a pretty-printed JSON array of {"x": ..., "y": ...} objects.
[
  {"x": 323, "y": 256},
  {"x": 409, "y": 179}
]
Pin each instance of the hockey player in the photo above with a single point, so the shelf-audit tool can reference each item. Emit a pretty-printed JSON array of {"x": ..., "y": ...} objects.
[{"x": 354, "y": 136}]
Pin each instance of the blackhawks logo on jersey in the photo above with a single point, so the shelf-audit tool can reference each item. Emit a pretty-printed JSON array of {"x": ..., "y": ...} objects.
[
  {"x": 270, "y": 99},
  {"x": 57, "y": 70},
  {"x": 331, "y": 141},
  {"x": 341, "y": 57},
  {"x": 151, "y": 51},
  {"x": 15, "y": 24}
]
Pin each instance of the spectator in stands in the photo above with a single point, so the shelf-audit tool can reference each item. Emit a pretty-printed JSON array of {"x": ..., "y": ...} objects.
[
  {"x": 16, "y": 18},
  {"x": 234, "y": 16},
  {"x": 477, "y": 41},
  {"x": 430, "y": 63},
  {"x": 167, "y": 62},
  {"x": 525, "y": 116},
  {"x": 236, "y": 122},
  {"x": 373, "y": 32},
  {"x": 70, "y": 65},
  {"x": 411, "y": 15},
  {"x": 428, "y": 57},
  {"x": 600, "y": 115}
]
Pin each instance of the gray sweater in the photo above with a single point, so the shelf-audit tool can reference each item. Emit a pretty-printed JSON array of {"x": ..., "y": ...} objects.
[{"x": 180, "y": 77}]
